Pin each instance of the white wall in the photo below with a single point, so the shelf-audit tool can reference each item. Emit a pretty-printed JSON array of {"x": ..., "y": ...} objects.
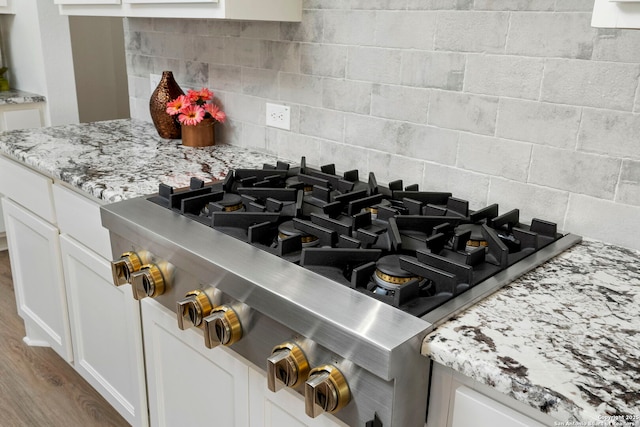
[
  {"x": 38, "y": 54},
  {"x": 100, "y": 69},
  {"x": 520, "y": 103}
]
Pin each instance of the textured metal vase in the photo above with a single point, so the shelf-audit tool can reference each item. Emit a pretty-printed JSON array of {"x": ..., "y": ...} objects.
[{"x": 167, "y": 90}]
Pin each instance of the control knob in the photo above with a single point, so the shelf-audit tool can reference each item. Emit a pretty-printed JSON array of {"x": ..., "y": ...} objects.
[
  {"x": 326, "y": 390},
  {"x": 287, "y": 367},
  {"x": 222, "y": 326},
  {"x": 149, "y": 281},
  {"x": 129, "y": 263},
  {"x": 192, "y": 309}
]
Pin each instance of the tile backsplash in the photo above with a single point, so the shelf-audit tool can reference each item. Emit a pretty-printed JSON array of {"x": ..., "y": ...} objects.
[{"x": 519, "y": 103}]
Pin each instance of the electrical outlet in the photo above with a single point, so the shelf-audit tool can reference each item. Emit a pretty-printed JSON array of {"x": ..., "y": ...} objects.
[
  {"x": 154, "y": 80},
  {"x": 279, "y": 116}
]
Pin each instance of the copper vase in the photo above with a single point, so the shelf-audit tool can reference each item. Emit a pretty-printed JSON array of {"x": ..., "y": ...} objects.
[
  {"x": 200, "y": 135},
  {"x": 167, "y": 90}
]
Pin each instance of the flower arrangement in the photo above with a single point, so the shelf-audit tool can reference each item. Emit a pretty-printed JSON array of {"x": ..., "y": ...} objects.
[{"x": 194, "y": 107}]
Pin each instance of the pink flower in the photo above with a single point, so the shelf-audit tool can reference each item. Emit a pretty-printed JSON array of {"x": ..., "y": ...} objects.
[
  {"x": 174, "y": 107},
  {"x": 191, "y": 115},
  {"x": 199, "y": 96},
  {"x": 216, "y": 112}
]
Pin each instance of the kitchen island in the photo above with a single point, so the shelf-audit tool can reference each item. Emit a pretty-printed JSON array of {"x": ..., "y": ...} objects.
[{"x": 561, "y": 339}]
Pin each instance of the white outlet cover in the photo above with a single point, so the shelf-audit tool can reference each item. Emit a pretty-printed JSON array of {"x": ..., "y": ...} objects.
[{"x": 278, "y": 116}]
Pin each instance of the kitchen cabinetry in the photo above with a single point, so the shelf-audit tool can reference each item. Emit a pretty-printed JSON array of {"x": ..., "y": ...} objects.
[
  {"x": 5, "y": 6},
  {"x": 105, "y": 320},
  {"x": 284, "y": 408},
  {"x": 21, "y": 116},
  {"x": 63, "y": 287},
  {"x": 188, "y": 384},
  {"x": 37, "y": 277},
  {"x": 459, "y": 401},
  {"x": 32, "y": 239},
  {"x": 616, "y": 14},
  {"x": 274, "y": 10}
]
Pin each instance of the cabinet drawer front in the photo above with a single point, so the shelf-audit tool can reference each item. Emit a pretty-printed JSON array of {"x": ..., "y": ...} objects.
[
  {"x": 79, "y": 217},
  {"x": 27, "y": 188}
]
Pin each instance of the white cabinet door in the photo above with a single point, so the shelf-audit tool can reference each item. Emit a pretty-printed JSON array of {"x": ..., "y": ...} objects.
[
  {"x": 188, "y": 384},
  {"x": 23, "y": 119},
  {"x": 37, "y": 277},
  {"x": 106, "y": 331},
  {"x": 169, "y": 1},
  {"x": 471, "y": 408},
  {"x": 284, "y": 408},
  {"x": 5, "y": 6},
  {"x": 253, "y": 10},
  {"x": 85, "y": 2}
]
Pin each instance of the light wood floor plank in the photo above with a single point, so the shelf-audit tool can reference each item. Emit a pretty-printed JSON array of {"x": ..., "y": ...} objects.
[{"x": 37, "y": 387}]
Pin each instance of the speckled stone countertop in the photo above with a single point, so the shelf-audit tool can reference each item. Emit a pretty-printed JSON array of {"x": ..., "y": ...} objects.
[
  {"x": 563, "y": 338},
  {"x": 120, "y": 159},
  {"x": 14, "y": 96}
]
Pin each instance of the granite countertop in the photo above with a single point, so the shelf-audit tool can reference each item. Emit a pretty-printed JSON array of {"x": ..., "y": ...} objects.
[
  {"x": 120, "y": 159},
  {"x": 562, "y": 338},
  {"x": 15, "y": 96}
]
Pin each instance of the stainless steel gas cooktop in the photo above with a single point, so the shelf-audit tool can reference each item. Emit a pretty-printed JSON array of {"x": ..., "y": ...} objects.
[{"x": 329, "y": 281}]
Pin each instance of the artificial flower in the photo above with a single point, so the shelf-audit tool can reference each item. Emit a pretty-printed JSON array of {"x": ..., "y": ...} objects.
[
  {"x": 195, "y": 106},
  {"x": 215, "y": 112},
  {"x": 174, "y": 107},
  {"x": 191, "y": 115}
]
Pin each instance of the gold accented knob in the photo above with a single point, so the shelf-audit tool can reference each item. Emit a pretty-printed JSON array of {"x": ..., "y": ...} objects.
[
  {"x": 326, "y": 390},
  {"x": 129, "y": 263},
  {"x": 287, "y": 367},
  {"x": 149, "y": 281},
  {"x": 222, "y": 326},
  {"x": 192, "y": 309}
]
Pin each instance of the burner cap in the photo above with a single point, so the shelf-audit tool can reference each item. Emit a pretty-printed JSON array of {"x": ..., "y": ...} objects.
[
  {"x": 389, "y": 273},
  {"x": 231, "y": 202},
  {"x": 287, "y": 229},
  {"x": 477, "y": 238}
]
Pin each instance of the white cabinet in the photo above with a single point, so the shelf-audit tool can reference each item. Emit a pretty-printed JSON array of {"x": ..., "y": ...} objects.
[
  {"x": 188, "y": 384},
  {"x": 106, "y": 331},
  {"x": 64, "y": 290},
  {"x": 37, "y": 277},
  {"x": 259, "y": 10},
  {"x": 5, "y": 6},
  {"x": 3, "y": 235},
  {"x": 616, "y": 14},
  {"x": 284, "y": 408},
  {"x": 473, "y": 408},
  {"x": 22, "y": 116},
  {"x": 459, "y": 401}
]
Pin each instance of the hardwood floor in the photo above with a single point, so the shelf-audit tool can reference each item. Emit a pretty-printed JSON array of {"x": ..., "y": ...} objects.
[{"x": 37, "y": 387}]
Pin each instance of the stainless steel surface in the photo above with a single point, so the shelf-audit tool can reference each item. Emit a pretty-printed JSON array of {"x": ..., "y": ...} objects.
[
  {"x": 282, "y": 302},
  {"x": 356, "y": 328},
  {"x": 372, "y": 358}
]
